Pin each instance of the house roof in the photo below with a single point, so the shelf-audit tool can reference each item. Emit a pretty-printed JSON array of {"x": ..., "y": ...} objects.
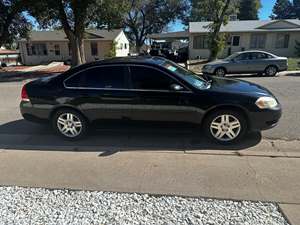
[
  {"x": 59, "y": 35},
  {"x": 171, "y": 35},
  {"x": 249, "y": 26}
]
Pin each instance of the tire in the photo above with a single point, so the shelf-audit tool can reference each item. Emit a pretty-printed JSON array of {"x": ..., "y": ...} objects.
[
  {"x": 220, "y": 72},
  {"x": 218, "y": 129},
  {"x": 69, "y": 124},
  {"x": 271, "y": 71}
]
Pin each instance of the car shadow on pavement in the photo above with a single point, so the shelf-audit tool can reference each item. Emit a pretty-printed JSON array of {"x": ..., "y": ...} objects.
[{"x": 116, "y": 137}]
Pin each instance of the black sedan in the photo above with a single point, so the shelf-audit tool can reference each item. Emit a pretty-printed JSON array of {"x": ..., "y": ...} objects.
[{"x": 148, "y": 89}]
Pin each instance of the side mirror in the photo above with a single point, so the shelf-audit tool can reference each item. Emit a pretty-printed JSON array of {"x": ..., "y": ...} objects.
[{"x": 176, "y": 87}]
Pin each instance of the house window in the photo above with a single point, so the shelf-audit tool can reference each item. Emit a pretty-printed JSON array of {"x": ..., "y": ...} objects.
[
  {"x": 36, "y": 49},
  {"x": 125, "y": 46},
  {"x": 200, "y": 42},
  {"x": 235, "y": 41},
  {"x": 258, "y": 41},
  {"x": 57, "y": 49},
  {"x": 282, "y": 40},
  {"x": 94, "y": 48},
  {"x": 121, "y": 46}
]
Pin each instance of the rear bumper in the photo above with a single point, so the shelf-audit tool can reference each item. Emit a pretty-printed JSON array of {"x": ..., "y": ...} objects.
[
  {"x": 34, "y": 114},
  {"x": 265, "y": 119}
]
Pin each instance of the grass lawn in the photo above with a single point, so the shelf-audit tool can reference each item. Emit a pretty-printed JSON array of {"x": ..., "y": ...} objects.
[{"x": 293, "y": 64}]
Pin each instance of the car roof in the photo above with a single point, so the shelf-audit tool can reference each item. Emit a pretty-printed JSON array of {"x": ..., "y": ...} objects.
[
  {"x": 154, "y": 60},
  {"x": 251, "y": 51}
]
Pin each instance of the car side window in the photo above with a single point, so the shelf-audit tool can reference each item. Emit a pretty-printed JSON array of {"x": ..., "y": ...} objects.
[
  {"x": 259, "y": 55},
  {"x": 150, "y": 79},
  {"x": 114, "y": 77},
  {"x": 243, "y": 56}
]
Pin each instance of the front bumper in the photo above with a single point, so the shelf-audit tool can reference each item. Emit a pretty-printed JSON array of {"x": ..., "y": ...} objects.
[
  {"x": 208, "y": 70},
  {"x": 265, "y": 119}
]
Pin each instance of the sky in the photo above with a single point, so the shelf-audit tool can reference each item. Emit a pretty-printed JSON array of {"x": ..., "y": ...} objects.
[{"x": 265, "y": 12}]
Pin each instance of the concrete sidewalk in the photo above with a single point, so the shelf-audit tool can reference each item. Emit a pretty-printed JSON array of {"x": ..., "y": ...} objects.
[{"x": 206, "y": 174}]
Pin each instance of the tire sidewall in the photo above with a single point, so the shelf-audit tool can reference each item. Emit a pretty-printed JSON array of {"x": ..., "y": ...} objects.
[
  {"x": 209, "y": 119},
  {"x": 84, "y": 123},
  {"x": 272, "y": 74}
]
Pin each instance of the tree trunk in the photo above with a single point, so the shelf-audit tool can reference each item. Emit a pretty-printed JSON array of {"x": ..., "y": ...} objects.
[
  {"x": 77, "y": 47},
  {"x": 138, "y": 48},
  {"x": 216, "y": 39}
]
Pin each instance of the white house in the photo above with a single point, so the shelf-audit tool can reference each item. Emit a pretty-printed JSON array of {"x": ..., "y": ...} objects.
[
  {"x": 275, "y": 36},
  {"x": 47, "y": 46}
]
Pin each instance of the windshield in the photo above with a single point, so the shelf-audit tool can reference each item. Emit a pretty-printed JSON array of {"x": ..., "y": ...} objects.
[
  {"x": 187, "y": 75},
  {"x": 231, "y": 57}
]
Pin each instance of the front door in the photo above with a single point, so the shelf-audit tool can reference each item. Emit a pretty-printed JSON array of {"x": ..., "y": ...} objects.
[
  {"x": 240, "y": 64},
  {"x": 158, "y": 101}
]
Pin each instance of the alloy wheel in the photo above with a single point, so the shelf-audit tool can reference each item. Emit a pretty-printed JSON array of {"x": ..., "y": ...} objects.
[
  {"x": 271, "y": 71},
  {"x": 69, "y": 125},
  {"x": 225, "y": 127}
]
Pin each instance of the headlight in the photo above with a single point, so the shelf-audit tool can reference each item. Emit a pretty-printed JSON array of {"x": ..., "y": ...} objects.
[{"x": 266, "y": 103}]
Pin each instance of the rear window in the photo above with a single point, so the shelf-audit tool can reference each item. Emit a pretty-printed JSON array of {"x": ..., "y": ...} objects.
[{"x": 100, "y": 77}]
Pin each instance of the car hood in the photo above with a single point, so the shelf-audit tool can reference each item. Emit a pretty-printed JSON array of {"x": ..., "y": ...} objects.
[{"x": 237, "y": 86}]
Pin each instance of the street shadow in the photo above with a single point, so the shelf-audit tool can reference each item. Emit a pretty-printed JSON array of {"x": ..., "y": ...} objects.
[{"x": 116, "y": 136}]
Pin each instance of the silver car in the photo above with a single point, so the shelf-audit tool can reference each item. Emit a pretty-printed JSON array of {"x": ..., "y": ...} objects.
[{"x": 247, "y": 62}]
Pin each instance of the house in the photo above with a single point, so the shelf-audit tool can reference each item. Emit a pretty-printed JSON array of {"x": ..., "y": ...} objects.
[
  {"x": 43, "y": 47},
  {"x": 275, "y": 36},
  {"x": 8, "y": 57}
]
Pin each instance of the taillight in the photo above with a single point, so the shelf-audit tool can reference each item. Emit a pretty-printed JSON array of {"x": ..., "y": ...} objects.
[{"x": 24, "y": 95}]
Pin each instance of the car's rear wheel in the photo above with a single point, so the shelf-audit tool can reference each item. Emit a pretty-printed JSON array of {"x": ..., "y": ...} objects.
[
  {"x": 70, "y": 124},
  {"x": 271, "y": 71},
  {"x": 225, "y": 126},
  {"x": 220, "y": 72}
]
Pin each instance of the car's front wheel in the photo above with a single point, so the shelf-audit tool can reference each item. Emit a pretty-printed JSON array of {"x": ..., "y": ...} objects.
[
  {"x": 70, "y": 124},
  {"x": 225, "y": 126},
  {"x": 271, "y": 71}
]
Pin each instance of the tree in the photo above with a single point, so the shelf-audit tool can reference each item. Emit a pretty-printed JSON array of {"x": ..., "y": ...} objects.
[
  {"x": 248, "y": 9},
  {"x": 296, "y": 8},
  {"x": 283, "y": 9},
  {"x": 73, "y": 16},
  {"x": 207, "y": 10},
  {"x": 216, "y": 11},
  {"x": 13, "y": 24},
  {"x": 151, "y": 16}
]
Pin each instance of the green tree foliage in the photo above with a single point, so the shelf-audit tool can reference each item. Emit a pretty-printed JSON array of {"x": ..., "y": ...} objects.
[
  {"x": 248, "y": 9},
  {"x": 13, "y": 24},
  {"x": 208, "y": 10},
  {"x": 283, "y": 9},
  {"x": 296, "y": 8},
  {"x": 151, "y": 16},
  {"x": 73, "y": 16}
]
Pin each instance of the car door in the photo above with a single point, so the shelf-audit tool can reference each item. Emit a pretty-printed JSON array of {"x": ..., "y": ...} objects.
[
  {"x": 240, "y": 64},
  {"x": 158, "y": 101},
  {"x": 102, "y": 92},
  {"x": 259, "y": 62}
]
